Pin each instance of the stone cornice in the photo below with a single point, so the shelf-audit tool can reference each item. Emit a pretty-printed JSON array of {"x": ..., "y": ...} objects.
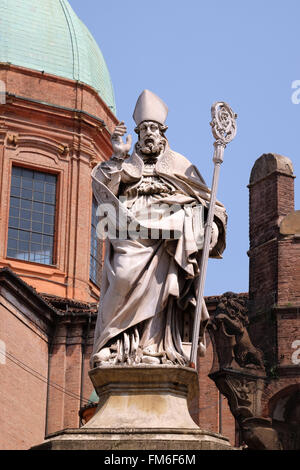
[
  {"x": 49, "y": 107},
  {"x": 41, "y": 75},
  {"x": 19, "y": 293}
]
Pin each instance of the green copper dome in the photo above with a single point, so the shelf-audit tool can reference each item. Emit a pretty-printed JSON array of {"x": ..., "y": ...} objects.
[{"x": 47, "y": 35}]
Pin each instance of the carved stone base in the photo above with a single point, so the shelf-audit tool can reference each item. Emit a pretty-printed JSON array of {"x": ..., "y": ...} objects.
[
  {"x": 143, "y": 396},
  {"x": 142, "y": 408},
  {"x": 134, "y": 439}
]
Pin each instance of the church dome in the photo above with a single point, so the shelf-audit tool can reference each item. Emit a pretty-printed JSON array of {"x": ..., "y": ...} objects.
[{"x": 48, "y": 36}]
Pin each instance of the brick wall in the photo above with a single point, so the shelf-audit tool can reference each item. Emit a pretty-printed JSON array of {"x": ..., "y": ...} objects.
[
  {"x": 274, "y": 277},
  {"x": 23, "y": 391},
  {"x": 271, "y": 198},
  {"x": 69, "y": 370},
  {"x": 214, "y": 412}
]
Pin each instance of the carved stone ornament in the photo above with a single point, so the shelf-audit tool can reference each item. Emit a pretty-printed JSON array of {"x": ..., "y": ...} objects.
[
  {"x": 64, "y": 150},
  {"x": 233, "y": 345},
  {"x": 244, "y": 398},
  {"x": 223, "y": 123},
  {"x": 12, "y": 139}
]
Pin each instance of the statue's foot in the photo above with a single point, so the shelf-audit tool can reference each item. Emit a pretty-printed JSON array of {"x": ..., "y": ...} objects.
[
  {"x": 150, "y": 356},
  {"x": 150, "y": 360},
  {"x": 102, "y": 356},
  {"x": 150, "y": 351}
]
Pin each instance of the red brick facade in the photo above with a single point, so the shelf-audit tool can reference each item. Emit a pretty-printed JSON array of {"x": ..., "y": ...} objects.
[
  {"x": 274, "y": 287},
  {"x": 25, "y": 326},
  {"x": 62, "y": 127}
]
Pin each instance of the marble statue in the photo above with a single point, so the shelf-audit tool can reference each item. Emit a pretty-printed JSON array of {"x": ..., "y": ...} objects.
[{"x": 149, "y": 282}]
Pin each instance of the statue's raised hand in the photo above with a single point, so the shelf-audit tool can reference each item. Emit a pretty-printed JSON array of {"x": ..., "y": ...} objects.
[{"x": 120, "y": 148}]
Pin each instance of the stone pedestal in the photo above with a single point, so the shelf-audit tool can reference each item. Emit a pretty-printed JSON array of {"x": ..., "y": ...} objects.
[
  {"x": 140, "y": 408},
  {"x": 143, "y": 396}
]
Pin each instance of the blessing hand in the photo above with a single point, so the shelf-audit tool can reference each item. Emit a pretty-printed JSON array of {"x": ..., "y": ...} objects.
[{"x": 120, "y": 148}]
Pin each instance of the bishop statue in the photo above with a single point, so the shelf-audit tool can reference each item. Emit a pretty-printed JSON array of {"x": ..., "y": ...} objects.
[{"x": 149, "y": 279}]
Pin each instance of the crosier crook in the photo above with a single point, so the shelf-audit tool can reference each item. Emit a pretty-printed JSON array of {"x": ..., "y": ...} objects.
[{"x": 224, "y": 130}]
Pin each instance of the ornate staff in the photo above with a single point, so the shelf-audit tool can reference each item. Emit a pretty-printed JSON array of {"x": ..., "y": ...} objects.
[{"x": 224, "y": 130}]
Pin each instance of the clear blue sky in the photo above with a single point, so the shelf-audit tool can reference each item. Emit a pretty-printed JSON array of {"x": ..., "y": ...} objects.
[{"x": 193, "y": 53}]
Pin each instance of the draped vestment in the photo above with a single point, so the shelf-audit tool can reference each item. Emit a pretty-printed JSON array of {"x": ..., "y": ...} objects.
[{"x": 149, "y": 284}]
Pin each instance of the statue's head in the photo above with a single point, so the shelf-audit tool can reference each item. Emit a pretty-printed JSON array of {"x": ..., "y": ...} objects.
[
  {"x": 150, "y": 114},
  {"x": 152, "y": 140}
]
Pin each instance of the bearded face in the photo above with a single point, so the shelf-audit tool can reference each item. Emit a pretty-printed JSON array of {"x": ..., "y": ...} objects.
[{"x": 151, "y": 141}]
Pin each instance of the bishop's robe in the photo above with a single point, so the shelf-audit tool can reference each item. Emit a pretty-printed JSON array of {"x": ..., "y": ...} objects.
[{"x": 148, "y": 285}]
